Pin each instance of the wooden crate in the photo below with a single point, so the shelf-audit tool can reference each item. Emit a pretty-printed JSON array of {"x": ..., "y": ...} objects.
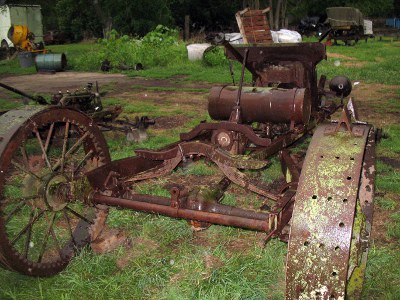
[{"x": 254, "y": 26}]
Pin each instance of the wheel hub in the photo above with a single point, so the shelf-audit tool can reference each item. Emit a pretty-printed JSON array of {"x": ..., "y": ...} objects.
[{"x": 56, "y": 191}]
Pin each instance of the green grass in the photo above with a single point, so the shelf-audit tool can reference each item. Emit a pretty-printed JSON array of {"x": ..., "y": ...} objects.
[
  {"x": 379, "y": 59},
  {"x": 170, "y": 89},
  {"x": 197, "y": 169},
  {"x": 390, "y": 146},
  {"x": 393, "y": 227},
  {"x": 386, "y": 204},
  {"x": 383, "y": 274},
  {"x": 388, "y": 179}
]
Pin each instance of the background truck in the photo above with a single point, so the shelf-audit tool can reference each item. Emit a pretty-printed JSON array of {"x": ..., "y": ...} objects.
[
  {"x": 347, "y": 24},
  {"x": 20, "y": 14}
]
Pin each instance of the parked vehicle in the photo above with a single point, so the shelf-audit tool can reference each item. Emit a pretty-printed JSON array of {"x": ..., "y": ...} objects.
[{"x": 347, "y": 24}]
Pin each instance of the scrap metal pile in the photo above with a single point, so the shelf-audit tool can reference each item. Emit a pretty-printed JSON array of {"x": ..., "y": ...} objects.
[
  {"x": 57, "y": 181},
  {"x": 89, "y": 101}
]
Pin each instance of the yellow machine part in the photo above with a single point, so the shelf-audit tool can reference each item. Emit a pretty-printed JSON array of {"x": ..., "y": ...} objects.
[
  {"x": 18, "y": 34},
  {"x": 21, "y": 38}
]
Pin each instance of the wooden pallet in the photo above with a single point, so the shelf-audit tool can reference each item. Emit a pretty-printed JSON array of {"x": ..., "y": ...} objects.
[{"x": 254, "y": 26}]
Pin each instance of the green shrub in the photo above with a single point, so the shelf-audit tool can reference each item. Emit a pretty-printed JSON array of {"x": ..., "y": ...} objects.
[
  {"x": 159, "y": 47},
  {"x": 215, "y": 56}
]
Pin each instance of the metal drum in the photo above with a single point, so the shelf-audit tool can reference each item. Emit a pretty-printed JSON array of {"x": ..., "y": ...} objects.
[
  {"x": 261, "y": 104},
  {"x": 51, "y": 62}
]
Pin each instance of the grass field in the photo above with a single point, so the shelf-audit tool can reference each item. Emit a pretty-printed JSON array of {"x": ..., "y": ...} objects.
[{"x": 164, "y": 259}]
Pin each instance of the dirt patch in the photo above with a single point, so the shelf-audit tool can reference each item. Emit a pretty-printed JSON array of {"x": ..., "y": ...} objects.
[
  {"x": 212, "y": 262},
  {"x": 354, "y": 64},
  {"x": 137, "y": 247},
  {"x": 340, "y": 56},
  {"x": 378, "y": 234},
  {"x": 170, "y": 122},
  {"x": 114, "y": 83},
  {"x": 243, "y": 245},
  {"x": 390, "y": 161},
  {"x": 371, "y": 99}
]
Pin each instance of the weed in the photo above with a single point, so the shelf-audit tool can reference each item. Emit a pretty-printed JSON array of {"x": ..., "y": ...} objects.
[
  {"x": 272, "y": 172},
  {"x": 390, "y": 146},
  {"x": 388, "y": 178},
  {"x": 386, "y": 204},
  {"x": 393, "y": 226},
  {"x": 383, "y": 274},
  {"x": 198, "y": 169}
]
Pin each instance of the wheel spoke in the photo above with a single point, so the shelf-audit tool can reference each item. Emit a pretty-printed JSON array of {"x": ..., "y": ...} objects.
[
  {"x": 24, "y": 157},
  {"x": 46, "y": 146},
  {"x": 53, "y": 234},
  {"x": 43, "y": 150},
  {"x": 87, "y": 156},
  {"x": 78, "y": 215},
  {"x": 46, "y": 237},
  {"x": 71, "y": 150},
  {"x": 28, "y": 235},
  {"x": 20, "y": 199},
  {"x": 69, "y": 227},
  {"x": 25, "y": 229},
  {"x": 22, "y": 169},
  {"x": 17, "y": 208},
  {"x": 64, "y": 145}
]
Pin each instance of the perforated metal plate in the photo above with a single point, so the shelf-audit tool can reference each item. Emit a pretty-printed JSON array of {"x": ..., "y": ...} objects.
[{"x": 323, "y": 215}]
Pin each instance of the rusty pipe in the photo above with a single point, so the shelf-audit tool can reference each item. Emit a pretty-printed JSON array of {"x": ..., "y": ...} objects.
[{"x": 180, "y": 213}]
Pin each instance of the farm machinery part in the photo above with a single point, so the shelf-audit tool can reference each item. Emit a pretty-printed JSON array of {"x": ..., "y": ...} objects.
[
  {"x": 23, "y": 39},
  {"x": 89, "y": 101},
  {"x": 324, "y": 209}
]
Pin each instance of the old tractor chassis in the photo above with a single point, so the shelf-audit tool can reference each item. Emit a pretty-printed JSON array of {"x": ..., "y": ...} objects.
[{"x": 324, "y": 210}]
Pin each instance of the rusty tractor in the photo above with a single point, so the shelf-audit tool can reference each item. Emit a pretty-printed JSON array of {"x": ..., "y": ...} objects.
[{"x": 56, "y": 190}]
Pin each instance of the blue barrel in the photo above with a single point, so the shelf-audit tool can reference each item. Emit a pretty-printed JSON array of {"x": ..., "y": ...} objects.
[{"x": 51, "y": 62}]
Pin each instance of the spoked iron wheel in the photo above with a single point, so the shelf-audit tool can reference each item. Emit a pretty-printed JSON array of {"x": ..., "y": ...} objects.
[{"x": 44, "y": 218}]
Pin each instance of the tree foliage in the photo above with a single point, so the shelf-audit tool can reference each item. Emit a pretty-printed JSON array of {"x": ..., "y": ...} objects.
[{"x": 96, "y": 18}]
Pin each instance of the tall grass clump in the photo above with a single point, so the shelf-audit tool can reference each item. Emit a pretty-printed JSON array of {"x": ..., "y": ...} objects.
[{"x": 159, "y": 47}]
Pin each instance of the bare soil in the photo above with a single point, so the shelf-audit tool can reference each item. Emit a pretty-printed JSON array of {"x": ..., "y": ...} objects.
[
  {"x": 62, "y": 81},
  {"x": 340, "y": 56}
]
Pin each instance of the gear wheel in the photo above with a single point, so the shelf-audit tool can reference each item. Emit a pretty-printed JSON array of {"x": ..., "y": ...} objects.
[{"x": 44, "y": 218}]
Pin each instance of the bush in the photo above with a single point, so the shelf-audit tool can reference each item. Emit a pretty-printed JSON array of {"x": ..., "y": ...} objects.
[
  {"x": 215, "y": 56},
  {"x": 159, "y": 47}
]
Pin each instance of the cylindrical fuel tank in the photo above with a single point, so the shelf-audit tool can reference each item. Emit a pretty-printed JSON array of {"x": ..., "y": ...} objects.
[{"x": 261, "y": 104}]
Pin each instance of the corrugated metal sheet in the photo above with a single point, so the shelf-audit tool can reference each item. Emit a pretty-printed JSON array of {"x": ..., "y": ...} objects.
[{"x": 394, "y": 22}]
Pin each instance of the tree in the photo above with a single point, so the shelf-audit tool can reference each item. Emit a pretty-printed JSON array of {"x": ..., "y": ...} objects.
[{"x": 77, "y": 19}]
